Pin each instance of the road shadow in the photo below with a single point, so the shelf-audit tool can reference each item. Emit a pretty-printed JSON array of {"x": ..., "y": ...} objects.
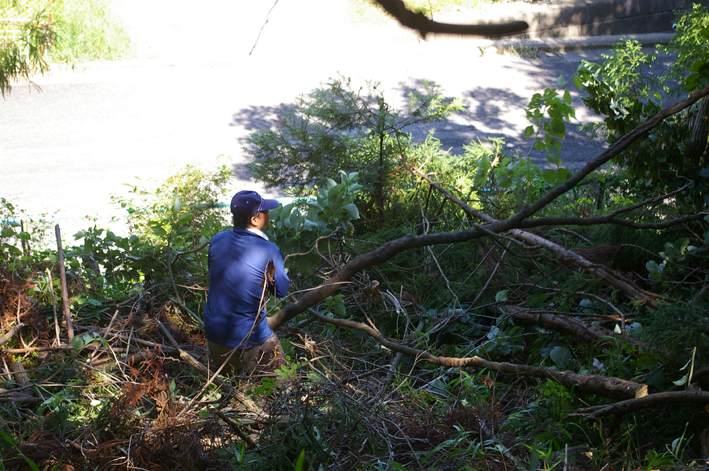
[{"x": 258, "y": 118}]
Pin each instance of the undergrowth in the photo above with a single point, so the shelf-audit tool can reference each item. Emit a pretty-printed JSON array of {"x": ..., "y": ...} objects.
[{"x": 508, "y": 349}]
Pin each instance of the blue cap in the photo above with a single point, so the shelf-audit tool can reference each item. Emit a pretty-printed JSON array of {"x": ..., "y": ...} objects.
[{"x": 248, "y": 203}]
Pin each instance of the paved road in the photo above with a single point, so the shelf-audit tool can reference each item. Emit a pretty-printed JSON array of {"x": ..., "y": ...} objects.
[{"x": 190, "y": 100}]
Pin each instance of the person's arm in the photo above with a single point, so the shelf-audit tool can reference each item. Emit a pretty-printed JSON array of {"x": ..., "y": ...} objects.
[{"x": 282, "y": 281}]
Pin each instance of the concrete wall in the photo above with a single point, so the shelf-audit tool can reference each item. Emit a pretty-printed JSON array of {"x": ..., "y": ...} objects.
[{"x": 597, "y": 17}]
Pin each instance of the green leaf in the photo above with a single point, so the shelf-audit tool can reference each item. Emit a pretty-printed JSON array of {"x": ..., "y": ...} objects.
[
  {"x": 299, "y": 462},
  {"x": 549, "y": 176},
  {"x": 316, "y": 205},
  {"x": 567, "y": 97},
  {"x": 352, "y": 210},
  {"x": 172, "y": 385},
  {"x": 553, "y": 155},
  {"x": 557, "y": 128},
  {"x": 184, "y": 218},
  {"x": 561, "y": 81},
  {"x": 24, "y": 235},
  {"x": 564, "y": 174},
  {"x": 339, "y": 310},
  {"x": 77, "y": 343},
  {"x": 177, "y": 207},
  {"x": 653, "y": 267},
  {"x": 529, "y": 131},
  {"x": 335, "y": 193},
  {"x": 501, "y": 296},
  {"x": 577, "y": 82},
  {"x": 682, "y": 381},
  {"x": 7, "y": 232},
  {"x": 560, "y": 356},
  {"x": 159, "y": 231}
]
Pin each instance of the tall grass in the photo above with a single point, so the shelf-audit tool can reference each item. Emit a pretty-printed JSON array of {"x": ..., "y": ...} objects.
[
  {"x": 86, "y": 30},
  {"x": 89, "y": 30}
]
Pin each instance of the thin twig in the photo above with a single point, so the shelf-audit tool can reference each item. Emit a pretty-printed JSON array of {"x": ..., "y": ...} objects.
[
  {"x": 65, "y": 291},
  {"x": 54, "y": 306},
  {"x": 262, "y": 27}
]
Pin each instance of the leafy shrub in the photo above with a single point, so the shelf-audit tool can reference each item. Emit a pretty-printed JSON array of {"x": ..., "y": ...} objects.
[
  {"x": 336, "y": 127},
  {"x": 89, "y": 31}
]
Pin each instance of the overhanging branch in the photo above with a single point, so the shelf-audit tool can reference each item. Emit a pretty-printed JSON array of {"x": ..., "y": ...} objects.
[{"x": 424, "y": 25}]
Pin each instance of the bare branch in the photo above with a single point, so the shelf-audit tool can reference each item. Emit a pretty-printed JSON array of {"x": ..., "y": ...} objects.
[
  {"x": 592, "y": 221},
  {"x": 572, "y": 326},
  {"x": 566, "y": 256},
  {"x": 614, "y": 388},
  {"x": 651, "y": 400},
  {"x": 422, "y": 24}
]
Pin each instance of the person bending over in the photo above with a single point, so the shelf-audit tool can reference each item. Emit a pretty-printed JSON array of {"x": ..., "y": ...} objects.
[{"x": 244, "y": 267}]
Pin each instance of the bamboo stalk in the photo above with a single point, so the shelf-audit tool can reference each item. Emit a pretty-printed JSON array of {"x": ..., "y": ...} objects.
[{"x": 65, "y": 291}]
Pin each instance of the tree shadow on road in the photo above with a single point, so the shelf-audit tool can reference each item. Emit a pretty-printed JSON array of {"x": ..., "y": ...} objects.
[{"x": 490, "y": 113}]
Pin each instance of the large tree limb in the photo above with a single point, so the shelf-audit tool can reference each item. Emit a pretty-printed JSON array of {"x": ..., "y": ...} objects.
[
  {"x": 410, "y": 241},
  {"x": 422, "y": 24},
  {"x": 613, "y": 388},
  {"x": 568, "y": 257},
  {"x": 651, "y": 400},
  {"x": 572, "y": 326},
  {"x": 613, "y": 151},
  {"x": 592, "y": 221}
]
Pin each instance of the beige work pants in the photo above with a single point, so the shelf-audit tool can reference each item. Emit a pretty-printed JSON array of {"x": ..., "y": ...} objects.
[{"x": 259, "y": 360}]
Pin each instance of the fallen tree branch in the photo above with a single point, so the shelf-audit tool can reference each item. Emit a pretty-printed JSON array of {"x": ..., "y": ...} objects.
[
  {"x": 410, "y": 241},
  {"x": 194, "y": 363},
  {"x": 5, "y": 338},
  {"x": 425, "y": 26},
  {"x": 610, "y": 387},
  {"x": 572, "y": 326},
  {"x": 566, "y": 256},
  {"x": 8, "y": 395},
  {"x": 591, "y": 221},
  {"x": 234, "y": 426},
  {"x": 651, "y": 400}
]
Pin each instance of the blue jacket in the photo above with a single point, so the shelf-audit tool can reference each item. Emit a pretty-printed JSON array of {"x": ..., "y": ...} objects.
[{"x": 237, "y": 262}]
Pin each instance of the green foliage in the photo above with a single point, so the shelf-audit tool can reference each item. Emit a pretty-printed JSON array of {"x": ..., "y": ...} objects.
[
  {"x": 690, "y": 43},
  {"x": 678, "y": 328},
  {"x": 337, "y": 127},
  {"x": 184, "y": 206},
  {"x": 33, "y": 32},
  {"x": 89, "y": 31},
  {"x": 547, "y": 113},
  {"x": 23, "y": 45},
  {"x": 302, "y": 236},
  {"x": 10, "y": 233},
  {"x": 625, "y": 91},
  {"x": 622, "y": 90}
]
